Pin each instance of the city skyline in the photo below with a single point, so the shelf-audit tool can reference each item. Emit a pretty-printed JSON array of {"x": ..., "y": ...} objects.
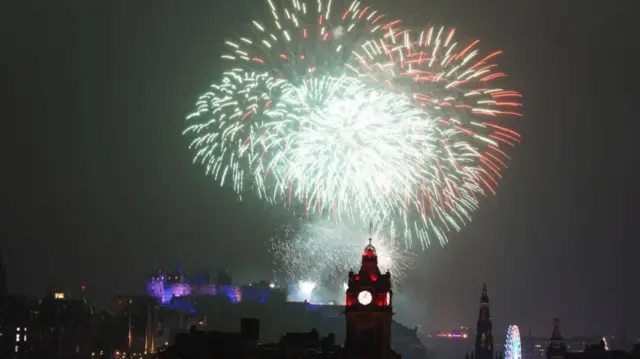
[{"x": 100, "y": 190}]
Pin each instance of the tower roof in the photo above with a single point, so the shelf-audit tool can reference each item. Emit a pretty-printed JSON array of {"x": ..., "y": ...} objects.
[
  {"x": 556, "y": 335},
  {"x": 369, "y": 264},
  {"x": 369, "y": 250}
]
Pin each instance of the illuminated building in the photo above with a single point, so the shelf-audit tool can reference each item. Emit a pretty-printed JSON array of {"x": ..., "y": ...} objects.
[
  {"x": 369, "y": 310},
  {"x": 165, "y": 287},
  {"x": 368, "y": 326},
  {"x": 18, "y": 326}
]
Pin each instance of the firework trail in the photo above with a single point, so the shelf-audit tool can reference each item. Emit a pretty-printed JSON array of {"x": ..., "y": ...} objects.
[
  {"x": 454, "y": 86},
  {"x": 323, "y": 251},
  {"x": 339, "y": 113},
  {"x": 298, "y": 41}
]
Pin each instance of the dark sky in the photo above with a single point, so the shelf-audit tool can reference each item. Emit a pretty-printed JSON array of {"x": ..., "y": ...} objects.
[{"x": 98, "y": 188}]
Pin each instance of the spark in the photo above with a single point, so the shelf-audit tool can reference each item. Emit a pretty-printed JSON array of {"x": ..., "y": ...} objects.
[{"x": 339, "y": 113}]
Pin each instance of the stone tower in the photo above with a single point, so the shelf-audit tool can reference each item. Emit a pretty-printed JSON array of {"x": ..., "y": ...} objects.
[
  {"x": 484, "y": 336},
  {"x": 369, "y": 309}
]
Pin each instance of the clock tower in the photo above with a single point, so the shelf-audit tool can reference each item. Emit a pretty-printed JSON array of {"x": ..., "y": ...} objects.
[{"x": 369, "y": 309}]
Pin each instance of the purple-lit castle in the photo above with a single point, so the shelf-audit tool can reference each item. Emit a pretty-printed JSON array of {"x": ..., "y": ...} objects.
[{"x": 164, "y": 286}]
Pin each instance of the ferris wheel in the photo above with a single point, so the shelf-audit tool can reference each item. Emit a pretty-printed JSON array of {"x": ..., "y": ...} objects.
[{"x": 513, "y": 347}]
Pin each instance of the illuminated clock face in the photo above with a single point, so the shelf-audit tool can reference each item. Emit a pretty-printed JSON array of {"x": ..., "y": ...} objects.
[
  {"x": 388, "y": 298},
  {"x": 365, "y": 297}
]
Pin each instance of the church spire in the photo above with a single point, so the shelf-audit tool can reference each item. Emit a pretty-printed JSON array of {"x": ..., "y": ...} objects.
[
  {"x": 484, "y": 336},
  {"x": 484, "y": 297}
]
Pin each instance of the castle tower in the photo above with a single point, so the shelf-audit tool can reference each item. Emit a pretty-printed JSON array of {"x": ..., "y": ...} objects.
[
  {"x": 556, "y": 349},
  {"x": 369, "y": 309},
  {"x": 484, "y": 337}
]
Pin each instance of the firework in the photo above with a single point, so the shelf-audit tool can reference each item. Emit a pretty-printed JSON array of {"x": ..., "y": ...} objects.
[
  {"x": 322, "y": 251},
  {"x": 298, "y": 41},
  {"x": 337, "y": 112}
]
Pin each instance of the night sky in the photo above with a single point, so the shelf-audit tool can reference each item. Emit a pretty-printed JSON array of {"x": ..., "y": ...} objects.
[{"x": 98, "y": 188}]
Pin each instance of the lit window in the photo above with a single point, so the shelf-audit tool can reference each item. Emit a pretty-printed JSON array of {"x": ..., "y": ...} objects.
[
  {"x": 16, "y": 348},
  {"x": 24, "y": 339},
  {"x": 17, "y": 337},
  {"x": 25, "y": 329},
  {"x": 17, "y": 329}
]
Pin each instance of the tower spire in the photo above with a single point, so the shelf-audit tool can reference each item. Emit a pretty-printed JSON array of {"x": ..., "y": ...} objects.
[
  {"x": 484, "y": 336},
  {"x": 484, "y": 298}
]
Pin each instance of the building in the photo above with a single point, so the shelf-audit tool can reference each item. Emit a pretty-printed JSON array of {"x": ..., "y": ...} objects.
[
  {"x": 369, "y": 310},
  {"x": 536, "y": 347},
  {"x": 484, "y": 336},
  {"x": 166, "y": 287},
  {"x": 216, "y": 305},
  {"x": 18, "y": 326},
  {"x": 556, "y": 349},
  {"x": 65, "y": 326},
  {"x": 368, "y": 315},
  {"x": 448, "y": 344}
]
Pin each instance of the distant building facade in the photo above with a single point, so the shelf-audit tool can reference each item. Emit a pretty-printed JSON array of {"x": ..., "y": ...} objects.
[
  {"x": 557, "y": 349},
  {"x": 167, "y": 286}
]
